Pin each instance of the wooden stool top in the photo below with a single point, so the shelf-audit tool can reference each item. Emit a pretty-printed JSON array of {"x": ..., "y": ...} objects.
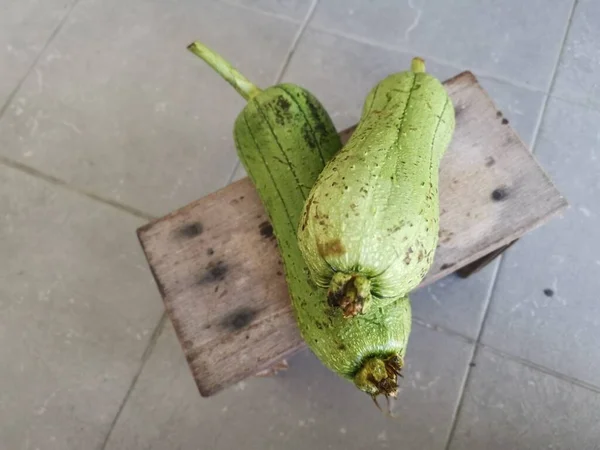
[{"x": 217, "y": 265}]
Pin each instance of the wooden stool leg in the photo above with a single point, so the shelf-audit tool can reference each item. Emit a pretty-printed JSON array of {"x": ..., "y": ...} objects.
[{"x": 479, "y": 264}]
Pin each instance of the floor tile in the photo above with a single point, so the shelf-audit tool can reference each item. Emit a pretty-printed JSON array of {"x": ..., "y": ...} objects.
[
  {"x": 307, "y": 406},
  {"x": 577, "y": 76},
  {"x": 293, "y": 9},
  {"x": 455, "y": 303},
  {"x": 545, "y": 307},
  {"x": 145, "y": 122},
  {"x": 513, "y": 39},
  {"x": 511, "y": 406},
  {"x": 77, "y": 309},
  {"x": 340, "y": 72},
  {"x": 25, "y": 27}
]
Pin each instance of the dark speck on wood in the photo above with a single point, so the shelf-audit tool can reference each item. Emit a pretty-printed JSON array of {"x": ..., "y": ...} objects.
[
  {"x": 239, "y": 319},
  {"x": 215, "y": 271},
  {"x": 504, "y": 121},
  {"x": 498, "y": 113},
  {"x": 490, "y": 161},
  {"x": 266, "y": 229},
  {"x": 210, "y": 251},
  {"x": 191, "y": 230},
  {"x": 548, "y": 292},
  {"x": 499, "y": 194},
  {"x": 446, "y": 266}
]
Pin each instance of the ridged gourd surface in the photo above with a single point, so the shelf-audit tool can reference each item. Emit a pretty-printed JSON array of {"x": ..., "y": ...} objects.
[
  {"x": 374, "y": 209},
  {"x": 284, "y": 138}
]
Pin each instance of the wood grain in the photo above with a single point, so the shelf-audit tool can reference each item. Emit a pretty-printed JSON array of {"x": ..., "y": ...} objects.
[{"x": 218, "y": 269}]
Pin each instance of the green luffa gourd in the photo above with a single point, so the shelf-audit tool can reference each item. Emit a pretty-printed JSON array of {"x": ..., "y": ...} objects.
[
  {"x": 370, "y": 224},
  {"x": 284, "y": 137}
]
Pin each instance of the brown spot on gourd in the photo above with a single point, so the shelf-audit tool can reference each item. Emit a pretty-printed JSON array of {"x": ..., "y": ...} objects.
[
  {"x": 318, "y": 123},
  {"x": 331, "y": 248},
  {"x": 309, "y": 137},
  {"x": 283, "y": 103},
  {"x": 407, "y": 257},
  {"x": 305, "y": 218}
]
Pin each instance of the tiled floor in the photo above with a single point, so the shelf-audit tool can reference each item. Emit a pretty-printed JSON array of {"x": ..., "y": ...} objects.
[{"x": 106, "y": 120}]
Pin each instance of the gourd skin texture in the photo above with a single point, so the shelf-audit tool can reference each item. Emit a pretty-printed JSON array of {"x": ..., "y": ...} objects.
[
  {"x": 370, "y": 224},
  {"x": 284, "y": 137},
  {"x": 284, "y": 163}
]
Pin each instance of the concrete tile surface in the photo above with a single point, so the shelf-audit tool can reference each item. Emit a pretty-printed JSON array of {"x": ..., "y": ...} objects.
[
  {"x": 305, "y": 407},
  {"x": 145, "y": 123},
  {"x": 455, "y": 303},
  {"x": 77, "y": 309},
  {"x": 511, "y": 406},
  {"x": 341, "y": 71},
  {"x": 577, "y": 76},
  {"x": 545, "y": 307},
  {"x": 515, "y": 40},
  {"x": 292, "y": 9},
  {"x": 25, "y": 26}
]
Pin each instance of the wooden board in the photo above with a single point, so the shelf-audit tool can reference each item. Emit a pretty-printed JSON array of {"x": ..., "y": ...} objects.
[{"x": 217, "y": 265}]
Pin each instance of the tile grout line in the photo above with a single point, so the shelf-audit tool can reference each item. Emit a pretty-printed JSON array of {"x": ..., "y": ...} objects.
[
  {"x": 441, "y": 329},
  {"x": 145, "y": 356},
  {"x": 286, "y": 61},
  {"x": 545, "y": 370},
  {"x": 261, "y": 11},
  {"x": 7, "y": 162},
  {"x": 522, "y": 361},
  {"x": 296, "y": 40},
  {"x": 402, "y": 49},
  {"x": 467, "y": 376},
  {"x": 54, "y": 33},
  {"x": 553, "y": 78},
  {"x": 16, "y": 165},
  {"x": 495, "y": 276}
]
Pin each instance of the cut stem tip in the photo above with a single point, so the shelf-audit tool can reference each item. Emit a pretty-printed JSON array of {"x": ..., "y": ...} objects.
[
  {"x": 239, "y": 82},
  {"x": 417, "y": 65}
]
